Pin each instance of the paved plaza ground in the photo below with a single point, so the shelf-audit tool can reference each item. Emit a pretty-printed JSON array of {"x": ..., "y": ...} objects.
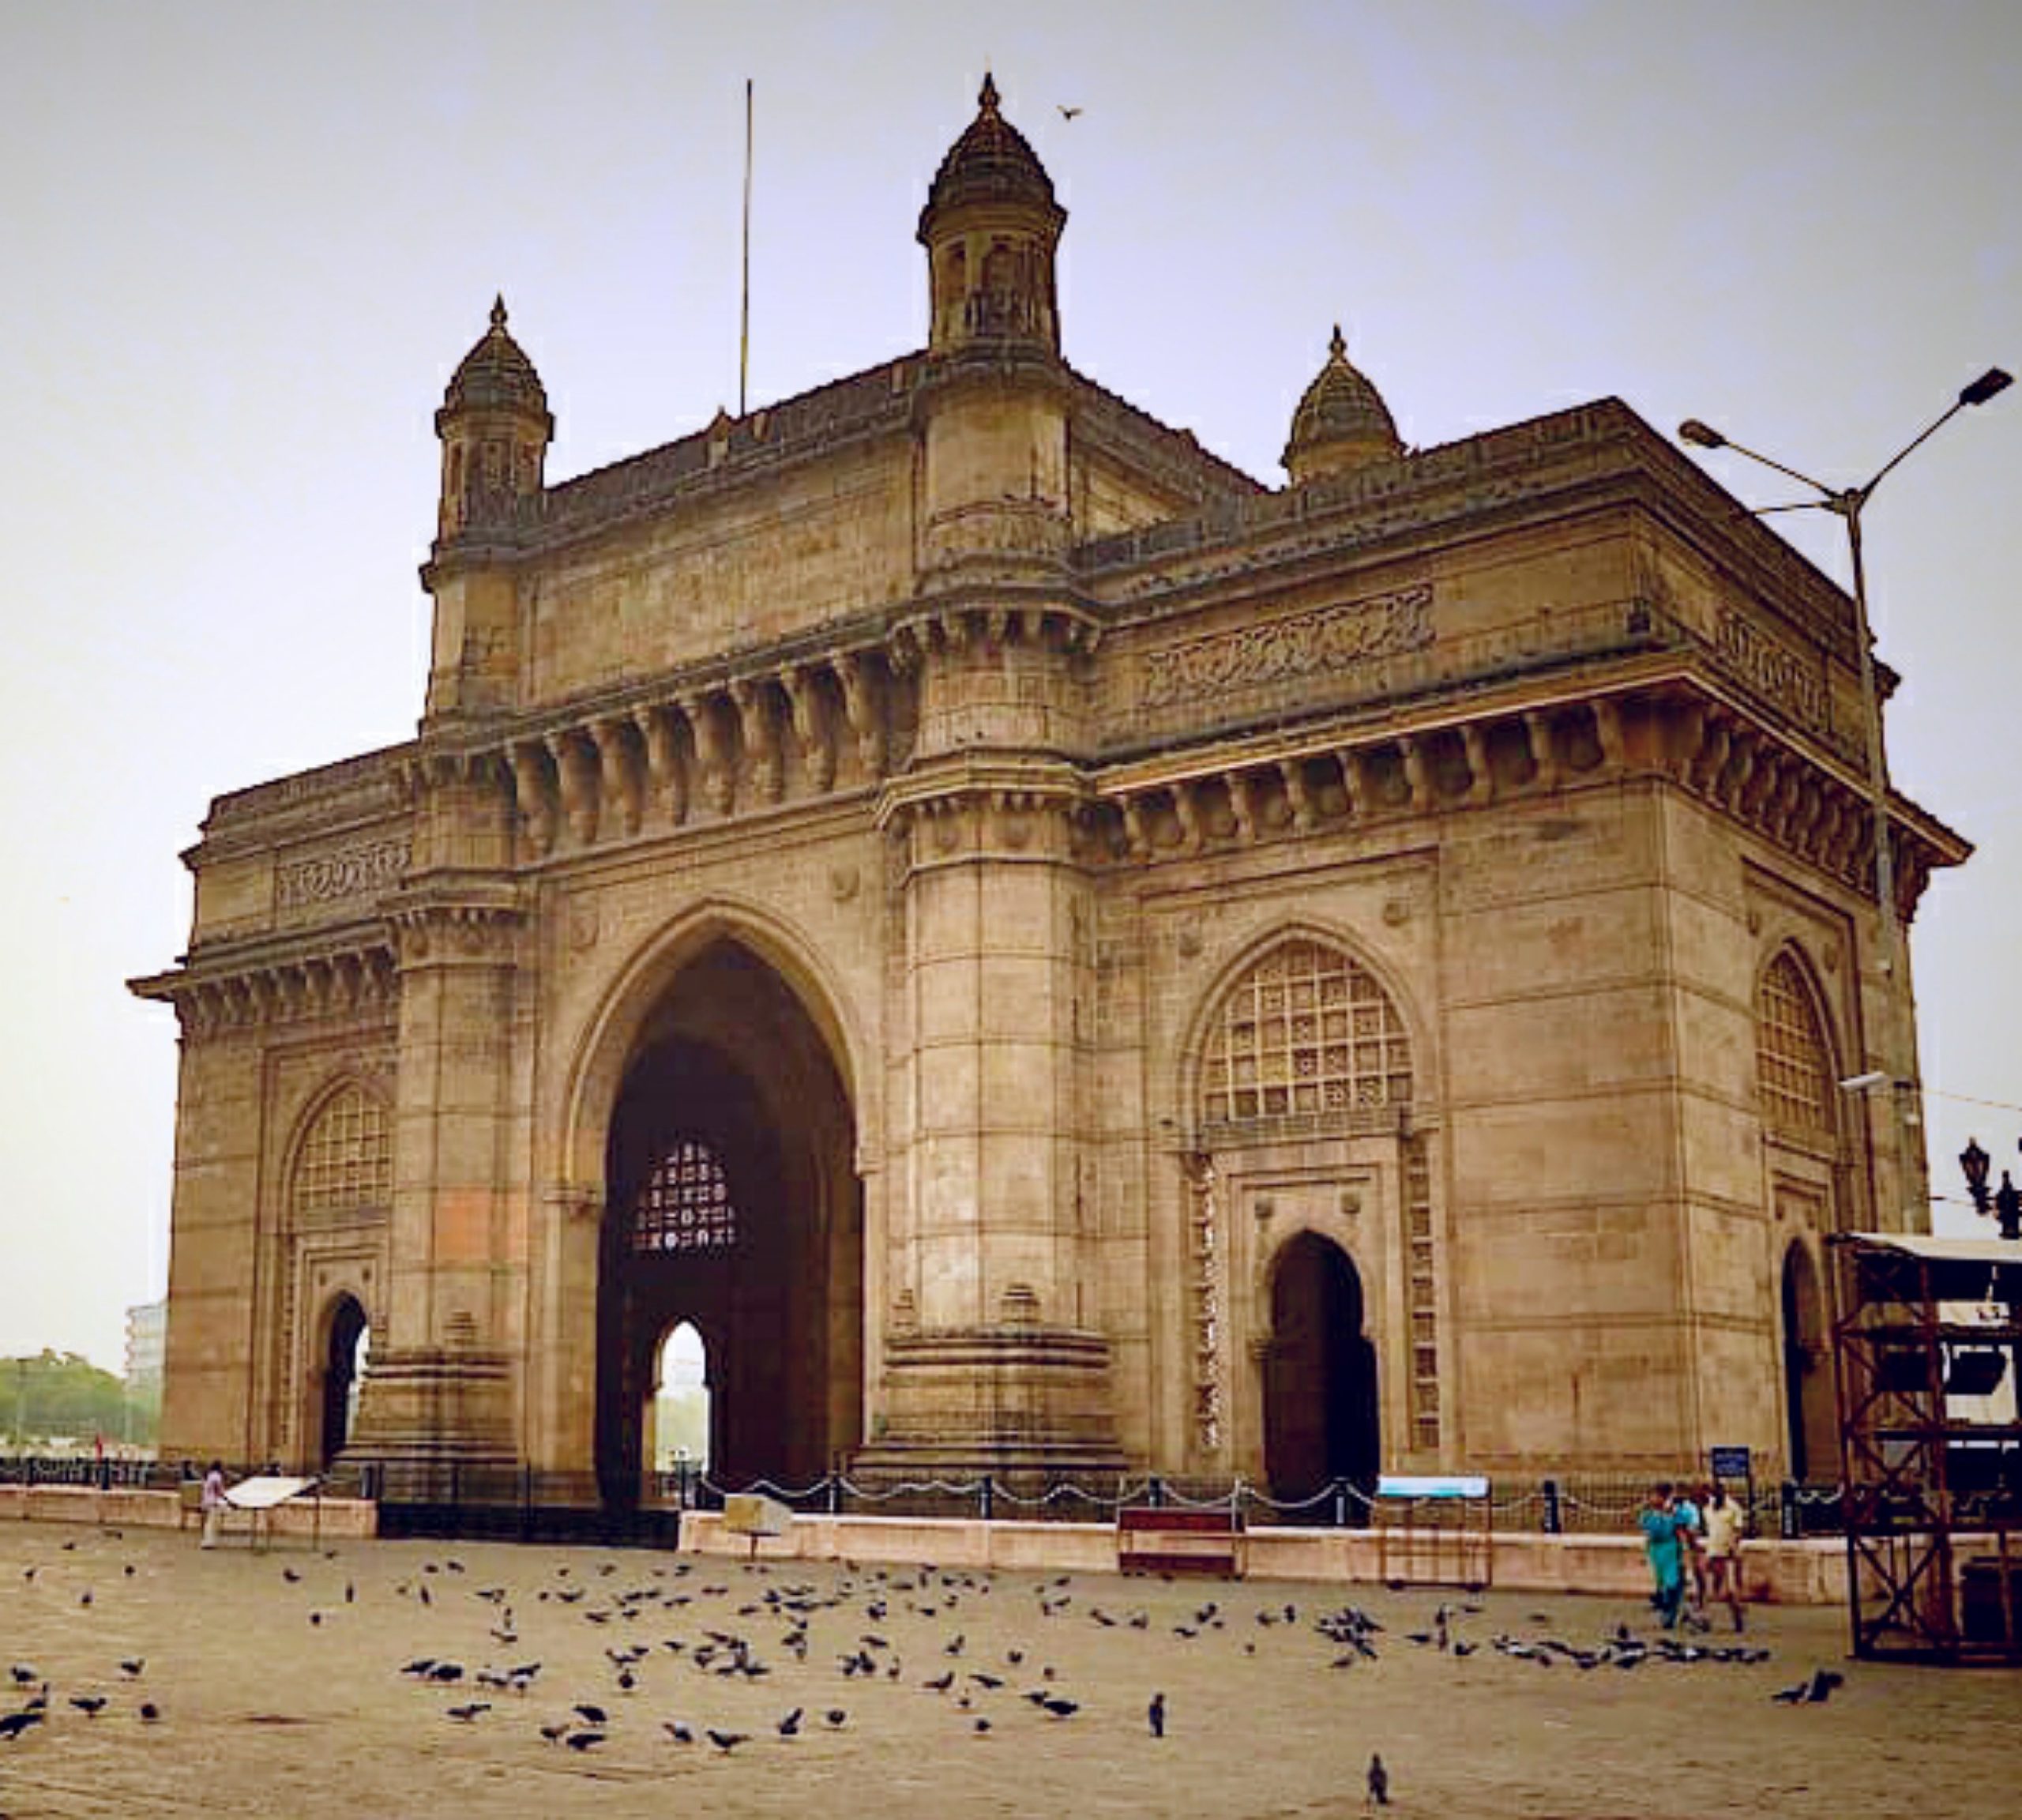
[{"x": 277, "y": 1677}]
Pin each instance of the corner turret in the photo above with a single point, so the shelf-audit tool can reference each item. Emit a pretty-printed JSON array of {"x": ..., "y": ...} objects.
[{"x": 1341, "y": 424}]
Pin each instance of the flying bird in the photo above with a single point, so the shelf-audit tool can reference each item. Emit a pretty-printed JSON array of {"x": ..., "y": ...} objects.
[{"x": 1067, "y": 113}]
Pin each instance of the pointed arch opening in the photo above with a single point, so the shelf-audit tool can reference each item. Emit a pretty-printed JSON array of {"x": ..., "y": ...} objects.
[
  {"x": 1321, "y": 1406},
  {"x": 344, "y": 1355},
  {"x": 731, "y": 1206},
  {"x": 678, "y": 1442}
]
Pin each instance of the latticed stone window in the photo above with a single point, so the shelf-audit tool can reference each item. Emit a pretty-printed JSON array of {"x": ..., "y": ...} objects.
[
  {"x": 1306, "y": 1031},
  {"x": 1792, "y": 1065},
  {"x": 346, "y": 1156},
  {"x": 686, "y": 1204}
]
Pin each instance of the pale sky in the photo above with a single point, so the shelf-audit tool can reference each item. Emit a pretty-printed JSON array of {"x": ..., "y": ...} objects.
[{"x": 246, "y": 245}]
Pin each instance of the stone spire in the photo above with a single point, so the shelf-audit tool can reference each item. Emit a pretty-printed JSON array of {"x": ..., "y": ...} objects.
[{"x": 1342, "y": 422}]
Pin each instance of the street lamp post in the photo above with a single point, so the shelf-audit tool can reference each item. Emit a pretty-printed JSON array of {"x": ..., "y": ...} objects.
[{"x": 1846, "y": 504}]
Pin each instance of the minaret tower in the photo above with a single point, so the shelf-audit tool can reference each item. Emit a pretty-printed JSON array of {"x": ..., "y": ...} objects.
[
  {"x": 994, "y": 1355},
  {"x": 996, "y": 421},
  {"x": 494, "y": 426}
]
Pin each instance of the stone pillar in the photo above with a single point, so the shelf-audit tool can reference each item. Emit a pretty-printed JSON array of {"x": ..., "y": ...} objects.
[
  {"x": 440, "y": 1392},
  {"x": 995, "y": 1362}
]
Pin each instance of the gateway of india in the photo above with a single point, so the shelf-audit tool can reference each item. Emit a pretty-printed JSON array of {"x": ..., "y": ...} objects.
[{"x": 1054, "y": 957}]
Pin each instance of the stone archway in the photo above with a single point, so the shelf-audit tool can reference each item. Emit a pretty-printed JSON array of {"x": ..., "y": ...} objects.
[
  {"x": 1320, "y": 1419},
  {"x": 731, "y": 1202},
  {"x": 1810, "y": 1401},
  {"x": 341, "y": 1373}
]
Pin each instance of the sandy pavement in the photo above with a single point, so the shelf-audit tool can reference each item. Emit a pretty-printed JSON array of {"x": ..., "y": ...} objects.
[{"x": 280, "y": 1696}]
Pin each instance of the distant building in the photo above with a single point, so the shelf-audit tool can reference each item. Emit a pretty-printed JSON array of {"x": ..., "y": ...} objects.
[
  {"x": 1055, "y": 955},
  {"x": 147, "y": 1339}
]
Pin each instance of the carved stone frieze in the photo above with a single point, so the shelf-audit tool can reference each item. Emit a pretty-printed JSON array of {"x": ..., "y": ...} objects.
[
  {"x": 1328, "y": 638},
  {"x": 361, "y": 870}
]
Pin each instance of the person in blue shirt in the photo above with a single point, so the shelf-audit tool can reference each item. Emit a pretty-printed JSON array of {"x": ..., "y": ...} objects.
[{"x": 1662, "y": 1541}]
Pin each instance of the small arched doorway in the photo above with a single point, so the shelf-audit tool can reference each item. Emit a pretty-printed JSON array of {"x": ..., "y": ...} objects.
[
  {"x": 677, "y": 1436},
  {"x": 733, "y": 1207},
  {"x": 345, "y": 1352},
  {"x": 1320, "y": 1419},
  {"x": 1810, "y": 1399}
]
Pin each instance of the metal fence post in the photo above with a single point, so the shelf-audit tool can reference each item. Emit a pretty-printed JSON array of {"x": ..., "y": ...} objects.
[
  {"x": 1555, "y": 1518},
  {"x": 1155, "y": 1492},
  {"x": 987, "y": 1497}
]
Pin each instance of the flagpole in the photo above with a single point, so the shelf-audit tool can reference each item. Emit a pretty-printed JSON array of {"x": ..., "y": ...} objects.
[{"x": 744, "y": 315}]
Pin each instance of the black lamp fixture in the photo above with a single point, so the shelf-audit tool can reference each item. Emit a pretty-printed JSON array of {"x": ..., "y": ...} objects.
[{"x": 2004, "y": 1204}]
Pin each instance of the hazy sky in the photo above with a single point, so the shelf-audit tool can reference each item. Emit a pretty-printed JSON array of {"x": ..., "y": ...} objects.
[{"x": 245, "y": 246}]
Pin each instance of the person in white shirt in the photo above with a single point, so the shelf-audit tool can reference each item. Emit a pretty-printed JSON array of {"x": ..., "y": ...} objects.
[{"x": 1726, "y": 1527}]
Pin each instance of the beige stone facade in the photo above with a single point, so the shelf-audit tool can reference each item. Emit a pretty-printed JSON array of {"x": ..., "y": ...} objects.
[{"x": 1051, "y": 953}]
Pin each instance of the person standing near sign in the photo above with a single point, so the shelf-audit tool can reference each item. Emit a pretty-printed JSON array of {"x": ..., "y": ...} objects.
[
  {"x": 1727, "y": 1524},
  {"x": 213, "y": 1503}
]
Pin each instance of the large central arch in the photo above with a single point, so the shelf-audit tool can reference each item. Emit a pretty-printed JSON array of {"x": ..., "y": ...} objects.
[{"x": 731, "y": 1202}]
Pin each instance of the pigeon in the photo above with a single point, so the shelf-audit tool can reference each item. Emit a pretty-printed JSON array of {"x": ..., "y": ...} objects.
[
  {"x": 467, "y": 1713},
  {"x": 789, "y": 1727},
  {"x": 677, "y": 1731},
  {"x": 131, "y": 1666},
  {"x": 13, "y": 1724},
  {"x": 24, "y": 1675},
  {"x": 1060, "y": 1708},
  {"x": 446, "y": 1671},
  {"x": 1823, "y": 1681},
  {"x": 149, "y": 1712},
  {"x": 1155, "y": 1713},
  {"x": 1379, "y": 1782},
  {"x": 1067, "y": 113},
  {"x": 290, "y": 1575},
  {"x": 594, "y": 1714},
  {"x": 835, "y": 1716},
  {"x": 90, "y": 1704},
  {"x": 582, "y": 1740},
  {"x": 726, "y": 1741}
]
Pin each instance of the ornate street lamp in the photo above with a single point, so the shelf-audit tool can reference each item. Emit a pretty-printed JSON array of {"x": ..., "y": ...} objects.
[
  {"x": 2004, "y": 1204},
  {"x": 1846, "y": 504}
]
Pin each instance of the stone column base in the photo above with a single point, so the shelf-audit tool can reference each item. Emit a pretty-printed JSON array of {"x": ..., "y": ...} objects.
[
  {"x": 1027, "y": 1405},
  {"x": 433, "y": 1422}
]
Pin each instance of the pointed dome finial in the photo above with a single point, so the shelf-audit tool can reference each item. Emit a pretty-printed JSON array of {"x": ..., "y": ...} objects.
[
  {"x": 1342, "y": 422},
  {"x": 986, "y": 95},
  {"x": 498, "y": 311}
]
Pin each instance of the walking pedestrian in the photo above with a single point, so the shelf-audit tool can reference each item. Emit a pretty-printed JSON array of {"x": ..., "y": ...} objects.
[
  {"x": 1659, "y": 1524},
  {"x": 213, "y": 1503}
]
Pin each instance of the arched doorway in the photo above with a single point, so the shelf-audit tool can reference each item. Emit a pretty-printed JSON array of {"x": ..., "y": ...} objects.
[
  {"x": 1320, "y": 1422},
  {"x": 344, "y": 1355},
  {"x": 677, "y": 1439},
  {"x": 1809, "y": 1399},
  {"x": 732, "y": 1204}
]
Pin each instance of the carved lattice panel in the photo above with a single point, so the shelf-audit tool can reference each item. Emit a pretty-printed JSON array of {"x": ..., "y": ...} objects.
[
  {"x": 685, "y": 1205},
  {"x": 1307, "y": 1031},
  {"x": 346, "y": 1160},
  {"x": 1793, "y": 1065}
]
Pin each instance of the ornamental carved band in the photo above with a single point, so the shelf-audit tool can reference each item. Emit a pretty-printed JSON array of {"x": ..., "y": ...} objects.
[
  {"x": 354, "y": 872},
  {"x": 1339, "y": 637},
  {"x": 1772, "y": 669}
]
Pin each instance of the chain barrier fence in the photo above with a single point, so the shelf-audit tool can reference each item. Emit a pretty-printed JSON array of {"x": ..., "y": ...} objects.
[{"x": 523, "y": 1503}]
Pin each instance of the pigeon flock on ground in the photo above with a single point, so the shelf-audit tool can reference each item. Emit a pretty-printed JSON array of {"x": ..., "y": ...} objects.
[{"x": 687, "y": 1643}]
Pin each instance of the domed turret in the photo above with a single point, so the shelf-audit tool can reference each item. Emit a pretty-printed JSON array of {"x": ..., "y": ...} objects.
[
  {"x": 495, "y": 427},
  {"x": 990, "y": 228},
  {"x": 1341, "y": 424}
]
